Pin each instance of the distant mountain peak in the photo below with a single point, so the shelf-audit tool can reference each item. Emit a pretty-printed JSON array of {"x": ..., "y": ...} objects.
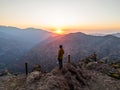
[
  {"x": 79, "y": 33},
  {"x": 9, "y": 27},
  {"x": 116, "y": 34},
  {"x": 110, "y": 36}
]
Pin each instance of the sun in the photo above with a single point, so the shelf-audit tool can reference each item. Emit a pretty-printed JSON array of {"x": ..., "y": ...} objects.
[{"x": 59, "y": 31}]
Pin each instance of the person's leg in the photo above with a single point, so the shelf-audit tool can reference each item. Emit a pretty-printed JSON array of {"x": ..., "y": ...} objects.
[{"x": 59, "y": 63}]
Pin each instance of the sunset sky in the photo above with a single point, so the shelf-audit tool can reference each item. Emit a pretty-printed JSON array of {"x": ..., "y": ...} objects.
[{"x": 89, "y": 16}]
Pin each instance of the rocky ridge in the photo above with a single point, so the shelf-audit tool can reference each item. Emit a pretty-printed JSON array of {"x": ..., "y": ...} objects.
[{"x": 84, "y": 76}]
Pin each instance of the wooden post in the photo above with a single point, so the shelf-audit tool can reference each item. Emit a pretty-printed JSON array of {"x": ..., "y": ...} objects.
[
  {"x": 106, "y": 61},
  {"x": 26, "y": 68},
  {"x": 68, "y": 58}
]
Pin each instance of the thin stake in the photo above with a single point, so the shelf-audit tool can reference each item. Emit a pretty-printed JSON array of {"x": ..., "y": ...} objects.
[
  {"x": 26, "y": 68},
  {"x": 68, "y": 58}
]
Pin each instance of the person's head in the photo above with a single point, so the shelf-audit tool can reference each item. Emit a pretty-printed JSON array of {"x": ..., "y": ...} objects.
[{"x": 60, "y": 46}]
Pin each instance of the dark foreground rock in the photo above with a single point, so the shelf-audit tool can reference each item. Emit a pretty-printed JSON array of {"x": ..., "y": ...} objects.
[{"x": 72, "y": 77}]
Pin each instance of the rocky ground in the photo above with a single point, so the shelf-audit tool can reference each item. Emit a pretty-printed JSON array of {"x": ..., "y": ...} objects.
[{"x": 84, "y": 76}]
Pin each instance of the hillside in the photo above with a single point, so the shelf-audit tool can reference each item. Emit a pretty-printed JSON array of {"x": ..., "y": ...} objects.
[
  {"x": 78, "y": 45},
  {"x": 116, "y": 34},
  {"x": 10, "y": 51},
  {"x": 15, "y": 42},
  {"x": 15, "y": 50},
  {"x": 83, "y": 76}
]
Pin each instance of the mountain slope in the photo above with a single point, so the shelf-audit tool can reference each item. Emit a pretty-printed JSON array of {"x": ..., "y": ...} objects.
[
  {"x": 78, "y": 45},
  {"x": 10, "y": 51},
  {"x": 116, "y": 34},
  {"x": 15, "y": 42}
]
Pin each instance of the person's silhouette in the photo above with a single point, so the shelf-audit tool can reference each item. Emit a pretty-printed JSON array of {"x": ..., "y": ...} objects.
[{"x": 60, "y": 56}]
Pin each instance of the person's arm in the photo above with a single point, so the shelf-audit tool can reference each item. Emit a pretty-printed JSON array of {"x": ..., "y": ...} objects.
[{"x": 58, "y": 54}]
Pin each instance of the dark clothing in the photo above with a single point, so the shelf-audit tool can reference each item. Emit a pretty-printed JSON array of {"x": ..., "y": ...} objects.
[
  {"x": 60, "y": 53},
  {"x": 60, "y": 63},
  {"x": 60, "y": 57}
]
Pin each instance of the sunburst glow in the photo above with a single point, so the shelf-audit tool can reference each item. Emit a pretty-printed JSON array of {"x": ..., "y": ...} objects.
[{"x": 59, "y": 31}]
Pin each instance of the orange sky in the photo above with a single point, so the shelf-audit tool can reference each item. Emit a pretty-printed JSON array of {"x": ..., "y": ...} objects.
[{"x": 88, "y": 16}]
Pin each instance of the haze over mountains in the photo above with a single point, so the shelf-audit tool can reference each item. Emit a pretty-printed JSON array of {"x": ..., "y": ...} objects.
[
  {"x": 113, "y": 34},
  {"x": 38, "y": 46},
  {"x": 15, "y": 42},
  {"x": 78, "y": 45},
  {"x": 31, "y": 35},
  {"x": 116, "y": 34}
]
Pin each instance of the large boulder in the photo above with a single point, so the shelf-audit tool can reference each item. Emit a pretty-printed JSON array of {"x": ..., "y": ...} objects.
[
  {"x": 104, "y": 68},
  {"x": 33, "y": 76}
]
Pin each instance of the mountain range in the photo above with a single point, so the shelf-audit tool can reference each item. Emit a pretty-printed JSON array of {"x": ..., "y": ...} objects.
[
  {"x": 116, "y": 34},
  {"x": 15, "y": 42},
  {"x": 31, "y": 35},
  {"x": 34, "y": 46},
  {"x": 78, "y": 45}
]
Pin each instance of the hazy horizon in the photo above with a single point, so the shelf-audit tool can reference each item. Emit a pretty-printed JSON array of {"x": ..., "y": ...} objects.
[{"x": 94, "y": 33}]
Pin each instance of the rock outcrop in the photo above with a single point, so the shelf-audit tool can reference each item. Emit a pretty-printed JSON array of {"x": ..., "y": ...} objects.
[{"x": 84, "y": 76}]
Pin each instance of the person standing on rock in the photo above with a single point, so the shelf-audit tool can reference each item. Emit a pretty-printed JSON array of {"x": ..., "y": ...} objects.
[{"x": 60, "y": 56}]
